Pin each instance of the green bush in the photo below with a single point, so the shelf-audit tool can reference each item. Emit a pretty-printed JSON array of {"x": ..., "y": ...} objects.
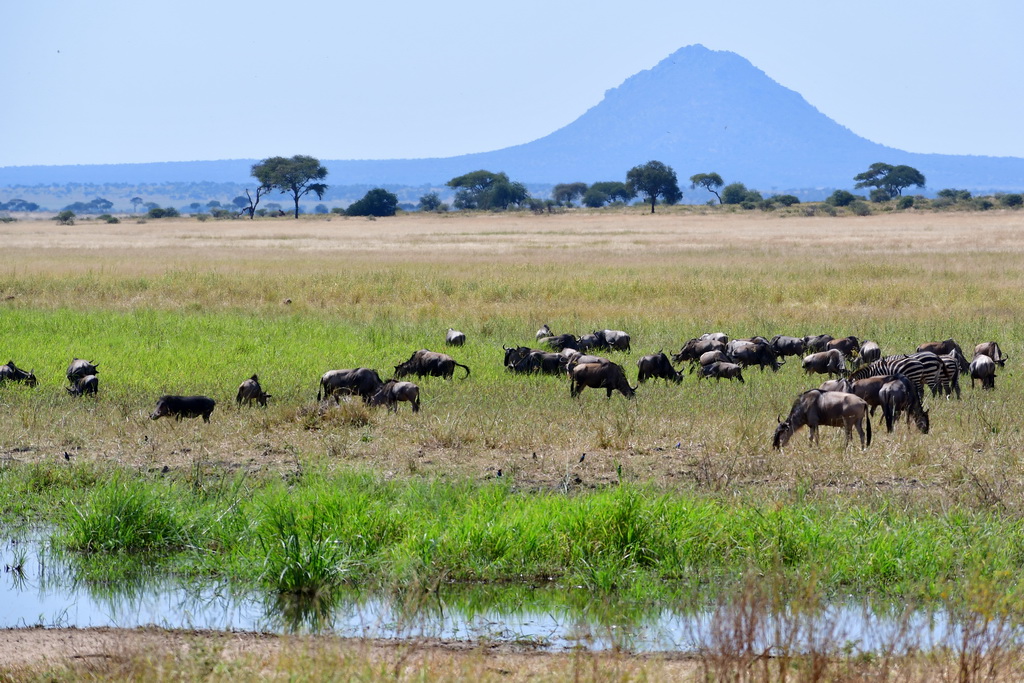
[
  {"x": 860, "y": 208},
  {"x": 841, "y": 198},
  {"x": 905, "y": 203},
  {"x": 1011, "y": 200},
  {"x": 878, "y": 195},
  {"x": 66, "y": 217}
]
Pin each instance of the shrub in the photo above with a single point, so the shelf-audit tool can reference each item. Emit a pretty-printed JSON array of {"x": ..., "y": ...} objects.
[
  {"x": 376, "y": 202},
  {"x": 878, "y": 195},
  {"x": 1011, "y": 200},
  {"x": 7, "y": 219},
  {"x": 66, "y": 217},
  {"x": 981, "y": 204},
  {"x": 734, "y": 193},
  {"x": 905, "y": 203},
  {"x": 860, "y": 208},
  {"x": 954, "y": 195},
  {"x": 320, "y": 209},
  {"x": 841, "y": 198},
  {"x": 785, "y": 199}
]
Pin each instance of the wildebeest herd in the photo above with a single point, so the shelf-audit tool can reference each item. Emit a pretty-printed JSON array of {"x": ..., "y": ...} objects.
[{"x": 861, "y": 379}]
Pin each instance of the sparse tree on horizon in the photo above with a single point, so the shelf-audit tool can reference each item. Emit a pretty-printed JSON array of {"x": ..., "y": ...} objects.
[
  {"x": 292, "y": 176},
  {"x": 709, "y": 181},
  {"x": 654, "y": 179},
  {"x": 564, "y": 193},
  {"x": 888, "y": 179}
]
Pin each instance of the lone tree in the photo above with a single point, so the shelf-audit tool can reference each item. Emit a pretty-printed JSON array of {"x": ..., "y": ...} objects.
[
  {"x": 564, "y": 193},
  {"x": 654, "y": 179},
  {"x": 376, "y": 202},
  {"x": 607, "y": 191},
  {"x": 709, "y": 181},
  {"x": 890, "y": 179},
  {"x": 293, "y": 176},
  {"x": 486, "y": 190}
]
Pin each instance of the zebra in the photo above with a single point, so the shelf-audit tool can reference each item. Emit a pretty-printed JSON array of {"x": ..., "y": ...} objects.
[
  {"x": 920, "y": 368},
  {"x": 954, "y": 363}
]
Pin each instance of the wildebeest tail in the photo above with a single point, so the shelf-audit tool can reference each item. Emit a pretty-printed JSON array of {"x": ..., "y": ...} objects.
[
  {"x": 318, "y": 388},
  {"x": 868, "y": 421},
  {"x": 465, "y": 367}
]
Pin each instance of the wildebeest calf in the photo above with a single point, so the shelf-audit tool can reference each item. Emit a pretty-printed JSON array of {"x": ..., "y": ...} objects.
[
  {"x": 394, "y": 391},
  {"x": 984, "y": 369},
  {"x": 718, "y": 370},
  {"x": 454, "y": 337},
  {"x": 250, "y": 390},
  {"x": 183, "y": 406},
  {"x": 90, "y": 384},
  {"x": 79, "y": 367}
]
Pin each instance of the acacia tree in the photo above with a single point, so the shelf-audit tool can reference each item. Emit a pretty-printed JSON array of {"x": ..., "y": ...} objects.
[
  {"x": 564, "y": 193},
  {"x": 891, "y": 180},
  {"x": 293, "y": 176},
  {"x": 709, "y": 181},
  {"x": 487, "y": 190},
  {"x": 606, "y": 191},
  {"x": 654, "y": 179}
]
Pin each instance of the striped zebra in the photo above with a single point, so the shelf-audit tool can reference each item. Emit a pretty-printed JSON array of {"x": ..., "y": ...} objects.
[
  {"x": 954, "y": 363},
  {"x": 920, "y": 368}
]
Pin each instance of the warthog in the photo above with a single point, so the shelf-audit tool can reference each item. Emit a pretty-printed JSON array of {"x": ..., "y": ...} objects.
[
  {"x": 90, "y": 384},
  {"x": 898, "y": 395},
  {"x": 429, "y": 363},
  {"x": 848, "y": 346},
  {"x": 608, "y": 376},
  {"x": 817, "y": 408},
  {"x": 12, "y": 372},
  {"x": 362, "y": 382},
  {"x": 560, "y": 341},
  {"x": 992, "y": 350},
  {"x": 787, "y": 346},
  {"x": 720, "y": 370},
  {"x": 183, "y": 406},
  {"x": 80, "y": 367},
  {"x": 658, "y": 365},
  {"x": 825, "y": 363},
  {"x": 454, "y": 338},
  {"x": 817, "y": 342},
  {"x": 394, "y": 391},
  {"x": 983, "y": 368},
  {"x": 249, "y": 391}
]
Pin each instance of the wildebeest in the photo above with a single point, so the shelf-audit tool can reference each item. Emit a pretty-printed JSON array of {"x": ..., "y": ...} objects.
[
  {"x": 817, "y": 408},
  {"x": 898, "y": 395},
  {"x": 544, "y": 331},
  {"x": 716, "y": 336},
  {"x": 940, "y": 348},
  {"x": 540, "y": 361},
  {"x": 514, "y": 354},
  {"x": 825, "y": 363},
  {"x": 362, "y": 382},
  {"x": 454, "y": 338},
  {"x": 183, "y": 406},
  {"x": 817, "y": 342},
  {"x": 574, "y": 358},
  {"x": 608, "y": 376},
  {"x": 992, "y": 350},
  {"x": 693, "y": 349},
  {"x": 616, "y": 340},
  {"x": 983, "y": 368},
  {"x": 848, "y": 346},
  {"x": 590, "y": 341},
  {"x": 759, "y": 353},
  {"x": 90, "y": 384},
  {"x": 869, "y": 352},
  {"x": 844, "y": 385},
  {"x": 558, "y": 342},
  {"x": 658, "y": 365},
  {"x": 80, "y": 367},
  {"x": 394, "y": 391},
  {"x": 12, "y": 372},
  {"x": 787, "y": 346},
  {"x": 430, "y": 364},
  {"x": 720, "y": 370},
  {"x": 249, "y": 391},
  {"x": 711, "y": 357}
]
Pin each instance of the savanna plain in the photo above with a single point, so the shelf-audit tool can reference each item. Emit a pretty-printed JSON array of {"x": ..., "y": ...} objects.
[{"x": 679, "y": 500}]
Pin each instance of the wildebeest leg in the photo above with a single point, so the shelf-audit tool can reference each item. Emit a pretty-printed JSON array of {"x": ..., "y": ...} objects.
[
  {"x": 416, "y": 405},
  {"x": 574, "y": 389},
  {"x": 609, "y": 390}
]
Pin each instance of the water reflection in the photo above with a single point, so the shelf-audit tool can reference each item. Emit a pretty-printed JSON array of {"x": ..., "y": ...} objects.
[{"x": 51, "y": 590}]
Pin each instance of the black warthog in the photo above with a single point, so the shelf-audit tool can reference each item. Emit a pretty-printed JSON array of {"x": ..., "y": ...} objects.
[
  {"x": 983, "y": 368},
  {"x": 90, "y": 384},
  {"x": 183, "y": 406},
  {"x": 12, "y": 372},
  {"x": 608, "y": 376},
  {"x": 362, "y": 382},
  {"x": 817, "y": 408},
  {"x": 900, "y": 395},
  {"x": 430, "y": 364},
  {"x": 825, "y": 363},
  {"x": 720, "y": 370},
  {"x": 658, "y": 365},
  {"x": 80, "y": 367},
  {"x": 249, "y": 391},
  {"x": 454, "y": 338},
  {"x": 992, "y": 350},
  {"x": 394, "y": 391}
]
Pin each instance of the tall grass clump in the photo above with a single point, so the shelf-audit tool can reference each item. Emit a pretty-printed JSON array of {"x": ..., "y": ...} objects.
[{"x": 127, "y": 515}]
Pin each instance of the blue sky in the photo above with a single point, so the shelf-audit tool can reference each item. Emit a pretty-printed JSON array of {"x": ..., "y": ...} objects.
[{"x": 116, "y": 81}]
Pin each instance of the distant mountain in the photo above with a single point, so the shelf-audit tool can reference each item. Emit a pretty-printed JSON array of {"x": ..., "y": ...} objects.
[{"x": 698, "y": 110}]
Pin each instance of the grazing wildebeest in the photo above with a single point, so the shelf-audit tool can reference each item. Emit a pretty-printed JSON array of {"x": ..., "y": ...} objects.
[
  {"x": 249, "y": 391},
  {"x": 825, "y": 363},
  {"x": 816, "y": 408},
  {"x": 454, "y": 338},
  {"x": 183, "y": 406},
  {"x": 983, "y": 368},
  {"x": 992, "y": 350},
  {"x": 848, "y": 346},
  {"x": 616, "y": 340},
  {"x": 869, "y": 352},
  {"x": 759, "y": 353},
  {"x": 90, "y": 384},
  {"x": 899, "y": 395},
  {"x": 514, "y": 354},
  {"x": 816, "y": 342},
  {"x": 844, "y": 385},
  {"x": 658, "y": 365},
  {"x": 80, "y": 367},
  {"x": 12, "y": 372},
  {"x": 560, "y": 341},
  {"x": 720, "y": 370},
  {"x": 394, "y": 391},
  {"x": 695, "y": 348},
  {"x": 608, "y": 376},
  {"x": 940, "y": 348},
  {"x": 576, "y": 358},
  {"x": 362, "y": 382},
  {"x": 712, "y": 357},
  {"x": 544, "y": 331},
  {"x": 868, "y": 389},
  {"x": 716, "y": 336},
  {"x": 430, "y": 364},
  {"x": 540, "y": 361},
  {"x": 788, "y": 346},
  {"x": 590, "y": 341}
]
